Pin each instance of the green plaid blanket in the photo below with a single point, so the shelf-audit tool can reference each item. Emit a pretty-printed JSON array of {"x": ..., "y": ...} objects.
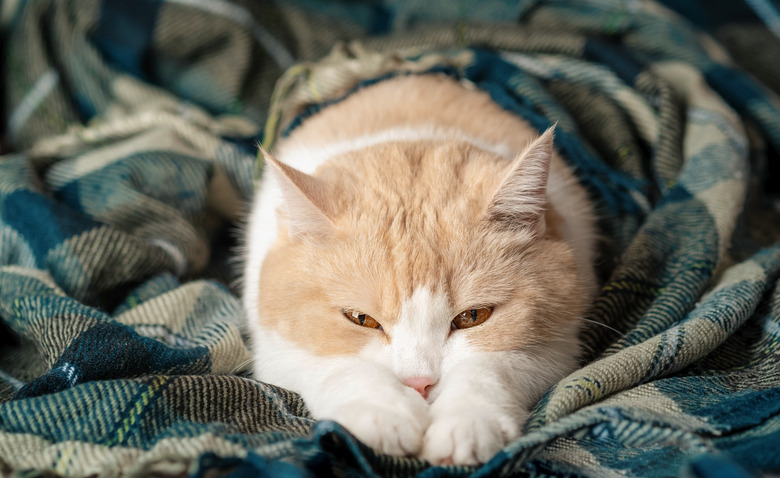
[{"x": 130, "y": 133}]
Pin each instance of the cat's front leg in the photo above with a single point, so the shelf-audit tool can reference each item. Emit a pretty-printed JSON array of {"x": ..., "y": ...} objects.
[
  {"x": 469, "y": 427},
  {"x": 372, "y": 404},
  {"x": 481, "y": 407},
  {"x": 394, "y": 424},
  {"x": 354, "y": 390}
]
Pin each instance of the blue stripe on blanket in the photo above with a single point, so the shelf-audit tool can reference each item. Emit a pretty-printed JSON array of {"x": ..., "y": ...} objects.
[{"x": 92, "y": 357}]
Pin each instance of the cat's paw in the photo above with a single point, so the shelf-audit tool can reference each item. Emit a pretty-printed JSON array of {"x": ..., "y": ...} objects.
[
  {"x": 394, "y": 427},
  {"x": 468, "y": 438}
]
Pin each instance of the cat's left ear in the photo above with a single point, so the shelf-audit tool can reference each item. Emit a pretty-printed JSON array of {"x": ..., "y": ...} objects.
[
  {"x": 303, "y": 198},
  {"x": 521, "y": 200}
]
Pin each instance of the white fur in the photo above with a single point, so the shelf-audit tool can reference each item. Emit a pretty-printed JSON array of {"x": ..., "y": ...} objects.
[
  {"x": 484, "y": 398},
  {"x": 418, "y": 338}
]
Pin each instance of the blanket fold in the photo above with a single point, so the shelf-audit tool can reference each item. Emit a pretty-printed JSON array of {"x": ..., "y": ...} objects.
[{"x": 130, "y": 140}]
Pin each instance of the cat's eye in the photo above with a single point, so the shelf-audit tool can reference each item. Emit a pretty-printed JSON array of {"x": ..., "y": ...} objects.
[
  {"x": 361, "y": 319},
  {"x": 471, "y": 317}
]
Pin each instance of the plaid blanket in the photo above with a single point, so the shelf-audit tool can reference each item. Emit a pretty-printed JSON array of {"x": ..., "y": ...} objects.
[{"x": 130, "y": 132}]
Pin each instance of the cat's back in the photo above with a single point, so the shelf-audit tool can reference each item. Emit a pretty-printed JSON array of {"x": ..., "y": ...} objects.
[{"x": 414, "y": 106}]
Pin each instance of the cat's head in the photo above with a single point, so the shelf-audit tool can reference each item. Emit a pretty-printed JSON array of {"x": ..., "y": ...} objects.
[{"x": 411, "y": 255}]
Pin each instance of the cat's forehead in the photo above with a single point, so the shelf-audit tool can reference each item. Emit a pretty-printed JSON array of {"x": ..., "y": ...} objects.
[
  {"x": 411, "y": 216},
  {"x": 384, "y": 265},
  {"x": 424, "y": 181}
]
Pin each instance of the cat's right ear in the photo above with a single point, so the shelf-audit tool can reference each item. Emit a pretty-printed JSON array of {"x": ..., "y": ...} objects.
[
  {"x": 521, "y": 200},
  {"x": 303, "y": 199}
]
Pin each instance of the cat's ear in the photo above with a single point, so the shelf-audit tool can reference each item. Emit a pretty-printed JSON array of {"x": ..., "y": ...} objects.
[
  {"x": 521, "y": 199},
  {"x": 303, "y": 198}
]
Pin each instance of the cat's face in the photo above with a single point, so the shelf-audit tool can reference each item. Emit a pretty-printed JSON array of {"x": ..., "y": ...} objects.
[{"x": 412, "y": 256}]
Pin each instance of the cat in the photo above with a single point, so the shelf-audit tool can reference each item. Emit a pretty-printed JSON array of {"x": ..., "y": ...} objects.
[{"x": 418, "y": 263}]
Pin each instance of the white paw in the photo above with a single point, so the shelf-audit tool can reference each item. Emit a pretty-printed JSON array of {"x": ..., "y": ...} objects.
[
  {"x": 468, "y": 438},
  {"x": 393, "y": 426}
]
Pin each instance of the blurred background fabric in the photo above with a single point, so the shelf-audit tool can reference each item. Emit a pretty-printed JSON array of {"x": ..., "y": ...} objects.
[{"x": 129, "y": 140}]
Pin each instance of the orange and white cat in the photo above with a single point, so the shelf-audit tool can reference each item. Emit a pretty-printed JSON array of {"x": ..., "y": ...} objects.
[{"x": 418, "y": 263}]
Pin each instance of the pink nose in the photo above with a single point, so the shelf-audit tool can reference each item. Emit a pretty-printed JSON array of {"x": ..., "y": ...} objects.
[{"x": 421, "y": 384}]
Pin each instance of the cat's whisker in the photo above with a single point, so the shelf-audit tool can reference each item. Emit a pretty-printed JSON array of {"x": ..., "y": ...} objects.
[{"x": 603, "y": 325}]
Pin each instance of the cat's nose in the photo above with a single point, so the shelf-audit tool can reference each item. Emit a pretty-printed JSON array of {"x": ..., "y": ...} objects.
[{"x": 421, "y": 384}]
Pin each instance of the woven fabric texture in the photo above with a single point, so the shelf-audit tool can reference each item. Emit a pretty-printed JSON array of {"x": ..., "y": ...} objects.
[{"x": 129, "y": 154}]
